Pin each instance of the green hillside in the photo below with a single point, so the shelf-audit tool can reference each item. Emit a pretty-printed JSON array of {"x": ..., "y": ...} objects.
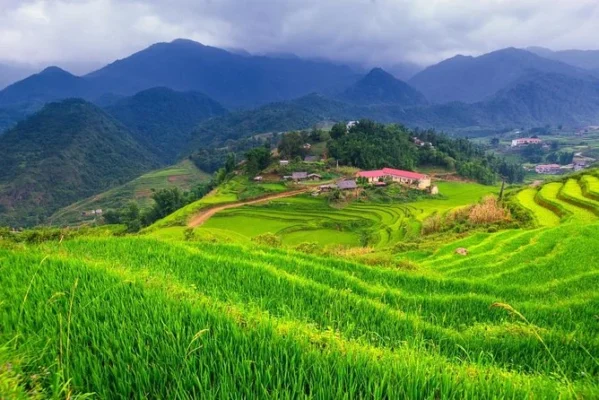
[
  {"x": 162, "y": 119},
  {"x": 184, "y": 176},
  {"x": 123, "y": 317},
  {"x": 67, "y": 151}
]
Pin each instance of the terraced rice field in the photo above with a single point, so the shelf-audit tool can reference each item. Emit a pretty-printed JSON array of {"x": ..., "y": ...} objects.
[
  {"x": 305, "y": 219},
  {"x": 590, "y": 185},
  {"x": 543, "y": 216},
  {"x": 137, "y": 317},
  {"x": 556, "y": 202}
]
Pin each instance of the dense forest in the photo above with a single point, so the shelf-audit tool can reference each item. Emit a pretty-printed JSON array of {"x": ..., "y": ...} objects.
[{"x": 370, "y": 145}]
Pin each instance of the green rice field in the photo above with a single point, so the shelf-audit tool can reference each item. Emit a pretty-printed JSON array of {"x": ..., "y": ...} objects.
[
  {"x": 140, "y": 317},
  {"x": 308, "y": 219}
]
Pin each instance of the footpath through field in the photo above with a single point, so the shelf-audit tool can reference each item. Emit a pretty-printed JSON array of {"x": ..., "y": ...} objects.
[{"x": 205, "y": 215}]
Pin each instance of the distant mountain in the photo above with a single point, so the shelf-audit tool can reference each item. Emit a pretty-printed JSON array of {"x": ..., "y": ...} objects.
[
  {"x": 472, "y": 79},
  {"x": 162, "y": 119},
  {"x": 276, "y": 117},
  {"x": 546, "y": 98},
  {"x": 586, "y": 59},
  {"x": 534, "y": 99},
  {"x": 51, "y": 84},
  {"x": 380, "y": 87},
  {"x": 65, "y": 152},
  {"x": 12, "y": 73},
  {"x": 232, "y": 79}
]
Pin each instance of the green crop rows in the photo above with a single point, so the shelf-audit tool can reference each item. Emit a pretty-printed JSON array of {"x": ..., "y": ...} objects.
[{"x": 306, "y": 219}]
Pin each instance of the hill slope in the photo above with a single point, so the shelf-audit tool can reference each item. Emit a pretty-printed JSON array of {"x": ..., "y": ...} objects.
[
  {"x": 472, "y": 79},
  {"x": 586, "y": 59},
  {"x": 51, "y": 84},
  {"x": 232, "y": 79},
  {"x": 380, "y": 87},
  {"x": 545, "y": 98},
  {"x": 67, "y": 151},
  {"x": 162, "y": 119},
  {"x": 276, "y": 117},
  {"x": 184, "y": 176}
]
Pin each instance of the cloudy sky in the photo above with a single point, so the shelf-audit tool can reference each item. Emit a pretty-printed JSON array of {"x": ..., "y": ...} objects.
[{"x": 369, "y": 32}]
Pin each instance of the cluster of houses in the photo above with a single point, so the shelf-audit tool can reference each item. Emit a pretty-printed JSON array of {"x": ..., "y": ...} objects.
[
  {"x": 525, "y": 141},
  {"x": 556, "y": 169},
  {"x": 421, "y": 181},
  {"x": 92, "y": 213}
]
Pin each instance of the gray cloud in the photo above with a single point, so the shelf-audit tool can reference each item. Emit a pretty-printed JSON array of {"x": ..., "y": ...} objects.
[{"x": 370, "y": 32}]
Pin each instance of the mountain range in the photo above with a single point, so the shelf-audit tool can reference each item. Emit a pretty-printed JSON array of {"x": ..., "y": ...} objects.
[
  {"x": 471, "y": 79},
  {"x": 232, "y": 79}
]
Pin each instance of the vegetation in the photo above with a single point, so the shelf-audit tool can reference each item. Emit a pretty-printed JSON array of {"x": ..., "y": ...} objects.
[
  {"x": 369, "y": 145},
  {"x": 184, "y": 176},
  {"x": 163, "y": 119},
  {"x": 66, "y": 152}
]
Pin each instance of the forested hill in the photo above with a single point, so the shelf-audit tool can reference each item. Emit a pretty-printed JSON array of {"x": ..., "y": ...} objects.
[
  {"x": 66, "y": 151},
  {"x": 380, "y": 87},
  {"x": 162, "y": 119}
]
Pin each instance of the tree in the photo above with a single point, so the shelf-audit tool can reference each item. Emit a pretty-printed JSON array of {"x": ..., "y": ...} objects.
[
  {"x": 495, "y": 141},
  {"x": 257, "y": 159},
  {"x": 291, "y": 145},
  {"x": 566, "y": 157},
  {"x": 230, "y": 163},
  {"x": 130, "y": 216},
  {"x": 338, "y": 130},
  {"x": 167, "y": 201}
]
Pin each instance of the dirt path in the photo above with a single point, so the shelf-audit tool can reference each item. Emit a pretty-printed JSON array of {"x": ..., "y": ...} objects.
[{"x": 205, "y": 215}]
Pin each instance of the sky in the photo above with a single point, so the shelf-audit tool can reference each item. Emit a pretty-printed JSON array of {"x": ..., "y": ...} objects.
[{"x": 84, "y": 34}]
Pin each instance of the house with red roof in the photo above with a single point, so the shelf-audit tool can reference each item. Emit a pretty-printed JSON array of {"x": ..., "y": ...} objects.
[{"x": 422, "y": 181}]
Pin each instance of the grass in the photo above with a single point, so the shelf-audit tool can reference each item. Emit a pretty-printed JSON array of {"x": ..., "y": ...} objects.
[
  {"x": 124, "y": 317},
  {"x": 184, "y": 175}
]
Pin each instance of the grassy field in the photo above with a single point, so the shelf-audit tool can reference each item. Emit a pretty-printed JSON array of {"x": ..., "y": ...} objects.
[
  {"x": 129, "y": 317},
  {"x": 237, "y": 189},
  {"x": 184, "y": 175},
  {"x": 306, "y": 219}
]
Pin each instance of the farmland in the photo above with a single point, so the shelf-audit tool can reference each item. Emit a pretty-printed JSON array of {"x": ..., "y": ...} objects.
[
  {"x": 306, "y": 219},
  {"x": 125, "y": 317}
]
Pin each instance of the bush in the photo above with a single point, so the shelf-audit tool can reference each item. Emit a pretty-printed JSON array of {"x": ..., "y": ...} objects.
[
  {"x": 489, "y": 211},
  {"x": 308, "y": 247},
  {"x": 268, "y": 239}
]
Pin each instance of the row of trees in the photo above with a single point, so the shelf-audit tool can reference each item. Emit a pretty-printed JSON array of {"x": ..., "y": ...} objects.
[{"x": 370, "y": 145}]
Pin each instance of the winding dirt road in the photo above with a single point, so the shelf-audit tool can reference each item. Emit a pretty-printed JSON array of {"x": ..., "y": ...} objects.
[{"x": 206, "y": 214}]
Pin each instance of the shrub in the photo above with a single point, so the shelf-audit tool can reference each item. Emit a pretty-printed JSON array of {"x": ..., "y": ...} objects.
[
  {"x": 432, "y": 224},
  {"x": 488, "y": 211},
  {"x": 308, "y": 247},
  {"x": 268, "y": 239}
]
